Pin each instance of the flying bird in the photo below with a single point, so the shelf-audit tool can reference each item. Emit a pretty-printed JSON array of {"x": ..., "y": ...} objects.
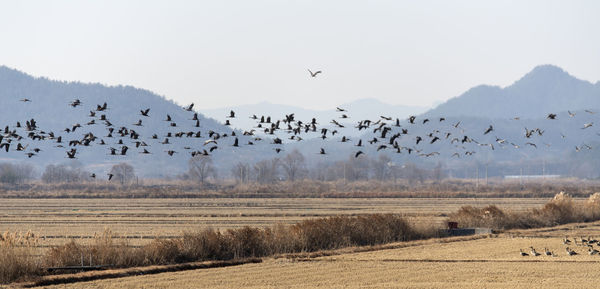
[
  {"x": 101, "y": 107},
  {"x": 145, "y": 112},
  {"x": 71, "y": 153},
  {"x": 488, "y": 130},
  {"x": 75, "y": 103},
  {"x": 314, "y": 74}
]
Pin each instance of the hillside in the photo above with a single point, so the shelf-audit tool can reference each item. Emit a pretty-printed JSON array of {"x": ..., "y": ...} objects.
[
  {"x": 562, "y": 146},
  {"x": 49, "y": 106},
  {"x": 545, "y": 89}
]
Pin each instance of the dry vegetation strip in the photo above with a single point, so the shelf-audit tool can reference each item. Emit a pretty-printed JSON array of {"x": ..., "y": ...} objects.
[
  {"x": 447, "y": 188},
  {"x": 208, "y": 244},
  {"x": 56, "y": 221},
  {"x": 492, "y": 263},
  {"x": 482, "y": 262},
  {"x": 306, "y": 236}
]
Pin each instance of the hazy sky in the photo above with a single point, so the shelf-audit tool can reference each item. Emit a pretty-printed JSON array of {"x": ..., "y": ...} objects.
[{"x": 225, "y": 53}]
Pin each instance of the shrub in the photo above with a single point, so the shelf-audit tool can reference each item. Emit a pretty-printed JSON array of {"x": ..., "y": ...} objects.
[
  {"x": 560, "y": 210},
  {"x": 104, "y": 250},
  {"x": 17, "y": 259},
  {"x": 342, "y": 231}
]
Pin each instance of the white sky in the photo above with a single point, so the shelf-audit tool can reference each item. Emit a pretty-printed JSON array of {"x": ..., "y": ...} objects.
[{"x": 225, "y": 53}]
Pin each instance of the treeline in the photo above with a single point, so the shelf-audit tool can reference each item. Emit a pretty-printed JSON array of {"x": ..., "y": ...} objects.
[
  {"x": 291, "y": 167},
  {"x": 294, "y": 167},
  {"x": 287, "y": 175},
  {"x": 74, "y": 172}
]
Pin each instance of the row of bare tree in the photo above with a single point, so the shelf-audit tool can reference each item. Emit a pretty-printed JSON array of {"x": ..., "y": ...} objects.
[
  {"x": 293, "y": 166},
  {"x": 201, "y": 169}
]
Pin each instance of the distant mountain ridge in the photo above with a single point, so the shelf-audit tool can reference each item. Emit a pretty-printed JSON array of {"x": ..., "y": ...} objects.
[
  {"x": 50, "y": 107},
  {"x": 546, "y": 89},
  {"x": 366, "y": 108}
]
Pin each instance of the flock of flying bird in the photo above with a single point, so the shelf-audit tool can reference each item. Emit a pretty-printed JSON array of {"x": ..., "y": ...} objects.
[
  {"x": 386, "y": 132},
  {"x": 588, "y": 243}
]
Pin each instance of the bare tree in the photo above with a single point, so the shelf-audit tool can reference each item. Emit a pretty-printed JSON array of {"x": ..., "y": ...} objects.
[
  {"x": 123, "y": 173},
  {"x": 439, "y": 172},
  {"x": 201, "y": 168},
  {"x": 241, "y": 171},
  {"x": 293, "y": 165},
  {"x": 267, "y": 171},
  {"x": 320, "y": 172},
  {"x": 356, "y": 168},
  {"x": 64, "y": 174},
  {"x": 413, "y": 173},
  {"x": 381, "y": 167},
  {"x": 15, "y": 173}
]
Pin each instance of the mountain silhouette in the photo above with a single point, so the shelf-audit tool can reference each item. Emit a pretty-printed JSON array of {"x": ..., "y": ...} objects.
[
  {"x": 545, "y": 89},
  {"x": 50, "y": 107}
]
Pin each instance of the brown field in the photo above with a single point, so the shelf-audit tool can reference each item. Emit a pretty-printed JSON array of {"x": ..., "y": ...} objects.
[
  {"x": 139, "y": 220},
  {"x": 473, "y": 262}
]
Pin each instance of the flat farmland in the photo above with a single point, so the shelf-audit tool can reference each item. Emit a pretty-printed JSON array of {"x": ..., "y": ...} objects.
[
  {"x": 140, "y": 220},
  {"x": 468, "y": 262}
]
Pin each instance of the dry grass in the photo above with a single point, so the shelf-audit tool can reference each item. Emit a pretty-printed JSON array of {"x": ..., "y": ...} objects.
[
  {"x": 305, "y": 236},
  {"x": 208, "y": 244},
  {"x": 17, "y": 256},
  {"x": 561, "y": 209},
  {"x": 57, "y": 221},
  {"x": 492, "y": 262}
]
